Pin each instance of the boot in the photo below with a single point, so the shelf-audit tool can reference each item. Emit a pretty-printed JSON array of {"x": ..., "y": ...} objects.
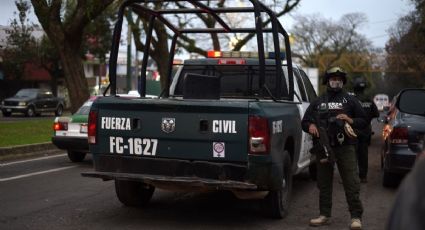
[
  {"x": 356, "y": 224},
  {"x": 319, "y": 221}
]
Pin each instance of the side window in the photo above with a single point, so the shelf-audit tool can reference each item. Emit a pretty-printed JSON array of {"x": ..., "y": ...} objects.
[
  {"x": 309, "y": 88},
  {"x": 300, "y": 85}
]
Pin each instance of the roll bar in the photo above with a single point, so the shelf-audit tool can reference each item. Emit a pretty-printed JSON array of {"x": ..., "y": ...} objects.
[{"x": 257, "y": 8}]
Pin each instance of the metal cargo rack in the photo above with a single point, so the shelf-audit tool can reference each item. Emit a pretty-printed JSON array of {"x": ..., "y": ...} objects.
[{"x": 198, "y": 6}]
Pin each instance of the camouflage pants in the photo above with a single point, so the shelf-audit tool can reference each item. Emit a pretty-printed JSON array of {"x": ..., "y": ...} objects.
[{"x": 346, "y": 161}]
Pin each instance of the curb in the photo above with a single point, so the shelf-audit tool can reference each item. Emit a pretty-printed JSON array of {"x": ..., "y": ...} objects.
[{"x": 24, "y": 151}]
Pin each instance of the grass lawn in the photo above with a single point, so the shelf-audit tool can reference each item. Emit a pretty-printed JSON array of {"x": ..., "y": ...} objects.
[{"x": 25, "y": 132}]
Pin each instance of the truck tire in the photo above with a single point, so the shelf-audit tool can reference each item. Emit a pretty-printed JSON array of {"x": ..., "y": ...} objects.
[
  {"x": 30, "y": 112},
  {"x": 59, "y": 111},
  {"x": 276, "y": 203},
  {"x": 76, "y": 156},
  {"x": 133, "y": 193}
]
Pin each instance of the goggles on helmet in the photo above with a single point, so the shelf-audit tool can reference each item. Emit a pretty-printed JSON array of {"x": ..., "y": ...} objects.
[{"x": 335, "y": 70}]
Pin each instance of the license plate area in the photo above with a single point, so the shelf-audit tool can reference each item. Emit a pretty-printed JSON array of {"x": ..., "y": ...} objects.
[{"x": 83, "y": 128}]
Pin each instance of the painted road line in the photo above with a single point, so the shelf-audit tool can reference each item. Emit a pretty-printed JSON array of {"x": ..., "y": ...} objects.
[
  {"x": 37, "y": 173},
  {"x": 36, "y": 159}
]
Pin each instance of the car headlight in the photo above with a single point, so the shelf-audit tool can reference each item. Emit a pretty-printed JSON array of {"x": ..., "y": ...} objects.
[{"x": 22, "y": 103}]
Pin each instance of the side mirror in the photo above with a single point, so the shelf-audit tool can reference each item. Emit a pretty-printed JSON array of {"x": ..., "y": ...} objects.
[{"x": 411, "y": 101}]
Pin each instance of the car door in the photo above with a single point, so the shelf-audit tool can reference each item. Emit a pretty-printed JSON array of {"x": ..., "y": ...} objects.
[
  {"x": 39, "y": 101},
  {"x": 50, "y": 101},
  {"x": 307, "y": 141}
]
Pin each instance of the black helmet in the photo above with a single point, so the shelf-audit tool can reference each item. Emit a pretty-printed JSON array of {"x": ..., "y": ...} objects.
[
  {"x": 359, "y": 84},
  {"x": 334, "y": 72}
]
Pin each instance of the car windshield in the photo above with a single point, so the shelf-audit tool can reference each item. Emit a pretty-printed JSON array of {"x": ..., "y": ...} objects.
[{"x": 26, "y": 93}]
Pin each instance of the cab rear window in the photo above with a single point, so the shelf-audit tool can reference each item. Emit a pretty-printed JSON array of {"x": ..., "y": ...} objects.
[{"x": 241, "y": 81}]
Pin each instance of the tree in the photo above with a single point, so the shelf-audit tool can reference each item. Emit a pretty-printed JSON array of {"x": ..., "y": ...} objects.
[
  {"x": 160, "y": 50},
  {"x": 20, "y": 42},
  {"x": 406, "y": 48},
  {"x": 65, "y": 23},
  {"x": 321, "y": 42}
]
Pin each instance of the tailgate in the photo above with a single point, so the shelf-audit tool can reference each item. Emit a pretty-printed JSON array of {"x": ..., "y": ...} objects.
[{"x": 171, "y": 128}]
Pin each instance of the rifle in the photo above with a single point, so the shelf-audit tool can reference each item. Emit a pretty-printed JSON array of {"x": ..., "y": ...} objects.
[
  {"x": 323, "y": 149},
  {"x": 326, "y": 155}
]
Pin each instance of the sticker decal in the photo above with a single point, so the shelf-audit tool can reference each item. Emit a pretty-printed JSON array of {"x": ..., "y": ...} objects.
[
  {"x": 277, "y": 126},
  {"x": 168, "y": 125},
  {"x": 219, "y": 149}
]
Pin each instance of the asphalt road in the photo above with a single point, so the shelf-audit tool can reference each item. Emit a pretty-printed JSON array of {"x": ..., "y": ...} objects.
[{"x": 49, "y": 193}]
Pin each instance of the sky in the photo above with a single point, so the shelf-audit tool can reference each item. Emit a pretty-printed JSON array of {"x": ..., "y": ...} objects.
[{"x": 381, "y": 14}]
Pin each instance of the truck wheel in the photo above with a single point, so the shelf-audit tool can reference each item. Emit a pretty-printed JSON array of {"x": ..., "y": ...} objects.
[
  {"x": 30, "y": 112},
  {"x": 6, "y": 114},
  {"x": 133, "y": 193},
  {"x": 76, "y": 156},
  {"x": 59, "y": 111},
  {"x": 276, "y": 203},
  {"x": 390, "y": 180}
]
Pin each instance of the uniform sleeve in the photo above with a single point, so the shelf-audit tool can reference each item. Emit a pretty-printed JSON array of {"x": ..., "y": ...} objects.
[
  {"x": 309, "y": 116},
  {"x": 359, "y": 116}
]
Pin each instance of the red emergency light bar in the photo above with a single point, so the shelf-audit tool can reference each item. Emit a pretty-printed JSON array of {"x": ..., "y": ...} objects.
[{"x": 214, "y": 54}]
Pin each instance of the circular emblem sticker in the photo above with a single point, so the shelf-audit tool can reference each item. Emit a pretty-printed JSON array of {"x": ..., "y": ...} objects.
[{"x": 218, "y": 149}]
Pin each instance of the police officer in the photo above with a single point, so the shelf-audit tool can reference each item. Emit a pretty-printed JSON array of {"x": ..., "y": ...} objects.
[
  {"x": 364, "y": 135},
  {"x": 332, "y": 111}
]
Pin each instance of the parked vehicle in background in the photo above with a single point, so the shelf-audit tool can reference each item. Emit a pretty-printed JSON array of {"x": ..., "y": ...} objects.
[
  {"x": 397, "y": 158},
  {"x": 32, "y": 102},
  {"x": 409, "y": 205},
  {"x": 70, "y": 133},
  {"x": 381, "y": 101}
]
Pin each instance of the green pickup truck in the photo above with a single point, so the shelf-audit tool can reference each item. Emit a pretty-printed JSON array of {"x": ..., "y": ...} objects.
[{"x": 230, "y": 121}]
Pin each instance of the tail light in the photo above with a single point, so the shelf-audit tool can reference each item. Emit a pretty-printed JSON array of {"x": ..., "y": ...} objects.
[
  {"x": 259, "y": 135},
  {"x": 92, "y": 127},
  {"x": 60, "y": 126},
  {"x": 399, "y": 135}
]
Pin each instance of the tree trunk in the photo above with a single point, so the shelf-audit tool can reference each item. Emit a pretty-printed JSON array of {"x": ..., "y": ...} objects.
[{"x": 74, "y": 76}]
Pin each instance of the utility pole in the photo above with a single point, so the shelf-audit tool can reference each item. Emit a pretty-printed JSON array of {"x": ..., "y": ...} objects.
[{"x": 129, "y": 54}]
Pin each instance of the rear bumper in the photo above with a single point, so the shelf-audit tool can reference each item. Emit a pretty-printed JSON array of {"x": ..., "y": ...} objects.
[
  {"x": 14, "y": 109},
  {"x": 167, "y": 181},
  {"x": 399, "y": 160},
  {"x": 77, "y": 144},
  {"x": 193, "y": 174}
]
